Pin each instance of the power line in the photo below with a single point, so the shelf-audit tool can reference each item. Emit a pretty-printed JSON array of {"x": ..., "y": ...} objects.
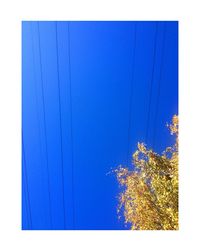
[
  {"x": 45, "y": 134},
  {"x": 71, "y": 126},
  {"x": 151, "y": 82},
  {"x": 35, "y": 89},
  {"x": 26, "y": 182},
  {"x": 26, "y": 204},
  {"x": 159, "y": 86},
  {"x": 36, "y": 96},
  {"x": 131, "y": 93},
  {"x": 61, "y": 141}
]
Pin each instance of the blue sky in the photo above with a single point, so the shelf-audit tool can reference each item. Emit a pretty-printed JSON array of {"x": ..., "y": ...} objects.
[{"x": 90, "y": 92}]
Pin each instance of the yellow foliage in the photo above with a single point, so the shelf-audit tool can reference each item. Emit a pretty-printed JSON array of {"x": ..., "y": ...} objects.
[{"x": 149, "y": 200}]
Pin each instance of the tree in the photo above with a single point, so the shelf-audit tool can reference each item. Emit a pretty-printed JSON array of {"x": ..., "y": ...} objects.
[{"x": 149, "y": 200}]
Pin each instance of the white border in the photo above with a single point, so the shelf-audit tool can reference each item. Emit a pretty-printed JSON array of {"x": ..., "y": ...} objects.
[{"x": 11, "y": 14}]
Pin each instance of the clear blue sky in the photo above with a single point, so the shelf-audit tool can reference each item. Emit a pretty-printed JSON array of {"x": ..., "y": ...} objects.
[{"x": 90, "y": 92}]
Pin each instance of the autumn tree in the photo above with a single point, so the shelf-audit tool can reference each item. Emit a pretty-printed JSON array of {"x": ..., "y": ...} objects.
[{"x": 149, "y": 200}]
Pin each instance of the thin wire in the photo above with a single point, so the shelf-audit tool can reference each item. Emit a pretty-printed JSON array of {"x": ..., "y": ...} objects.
[
  {"x": 61, "y": 141},
  {"x": 26, "y": 204},
  {"x": 45, "y": 134},
  {"x": 131, "y": 93},
  {"x": 151, "y": 83},
  {"x": 71, "y": 126},
  {"x": 159, "y": 86},
  {"x": 36, "y": 90},
  {"x": 26, "y": 182}
]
